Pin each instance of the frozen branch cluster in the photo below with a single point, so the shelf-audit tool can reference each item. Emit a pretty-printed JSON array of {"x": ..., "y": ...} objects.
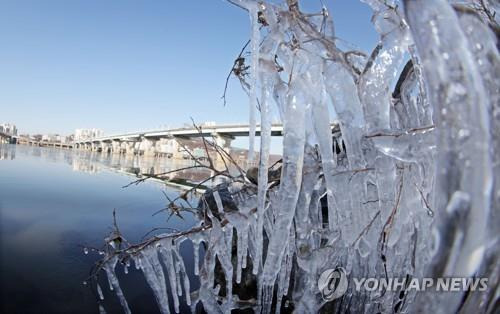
[{"x": 405, "y": 184}]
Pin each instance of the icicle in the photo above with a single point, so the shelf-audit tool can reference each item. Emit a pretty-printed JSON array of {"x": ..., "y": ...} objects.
[
  {"x": 240, "y": 223},
  {"x": 322, "y": 128},
  {"x": 218, "y": 201},
  {"x": 101, "y": 309},
  {"x": 166, "y": 253},
  {"x": 302, "y": 215},
  {"x": 182, "y": 273},
  {"x": 153, "y": 271},
  {"x": 207, "y": 295},
  {"x": 382, "y": 68},
  {"x": 344, "y": 94},
  {"x": 137, "y": 262},
  {"x": 196, "y": 249},
  {"x": 109, "y": 267},
  {"x": 459, "y": 100},
  {"x": 241, "y": 253},
  {"x": 291, "y": 176},
  {"x": 265, "y": 144},
  {"x": 483, "y": 45},
  {"x": 286, "y": 268},
  {"x": 255, "y": 40},
  {"x": 178, "y": 278},
  {"x": 267, "y": 298},
  {"x": 99, "y": 291}
]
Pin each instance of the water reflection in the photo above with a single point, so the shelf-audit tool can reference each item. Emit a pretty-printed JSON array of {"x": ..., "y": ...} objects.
[
  {"x": 54, "y": 200},
  {"x": 95, "y": 162},
  {"x": 6, "y": 153}
]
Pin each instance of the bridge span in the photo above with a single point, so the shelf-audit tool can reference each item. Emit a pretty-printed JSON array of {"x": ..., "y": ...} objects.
[{"x": 163, "y": 142}]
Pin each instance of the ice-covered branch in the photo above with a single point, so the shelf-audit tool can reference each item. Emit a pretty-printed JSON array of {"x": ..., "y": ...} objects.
[{"x": 407, "y": 185}]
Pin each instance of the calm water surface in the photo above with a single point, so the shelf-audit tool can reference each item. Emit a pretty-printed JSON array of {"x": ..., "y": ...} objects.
[{"x": 53, "y": 201}]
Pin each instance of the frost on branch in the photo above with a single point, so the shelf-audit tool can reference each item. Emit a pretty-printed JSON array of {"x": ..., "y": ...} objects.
[{"x": 390, "y": 168}]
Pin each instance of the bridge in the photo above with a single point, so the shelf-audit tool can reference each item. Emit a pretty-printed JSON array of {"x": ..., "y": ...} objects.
[
  {"x": 32, "y": 142},
  {"x": 163, "y": 142}
]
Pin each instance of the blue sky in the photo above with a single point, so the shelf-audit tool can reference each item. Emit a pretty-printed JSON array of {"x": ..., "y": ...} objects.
[{"x": 122, "y": 65}]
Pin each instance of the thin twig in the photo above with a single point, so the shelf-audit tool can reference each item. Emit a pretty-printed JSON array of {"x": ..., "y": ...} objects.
[
  {"x": 390, "y": 220},
  {"x": 235, "y": 64},
  {"x": 158, "y": 228},
  {"x": 398, "y": 134},
  {"x": 365, "y": 229},
  {"x": 429, "y": 210},
  {"x": 158, "y": 175}
]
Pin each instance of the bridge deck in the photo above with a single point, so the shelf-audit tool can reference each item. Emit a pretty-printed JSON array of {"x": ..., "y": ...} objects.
[{"x": 225, "y": 130}]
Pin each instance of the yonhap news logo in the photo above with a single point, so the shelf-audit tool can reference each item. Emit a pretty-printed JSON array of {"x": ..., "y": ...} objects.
[
  {"x": 333, "y": 284},
  {"x": 421, "y": 284}
]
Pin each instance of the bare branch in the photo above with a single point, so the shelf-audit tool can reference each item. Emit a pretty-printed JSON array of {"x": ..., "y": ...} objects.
[{"x": 238, "y": 68}]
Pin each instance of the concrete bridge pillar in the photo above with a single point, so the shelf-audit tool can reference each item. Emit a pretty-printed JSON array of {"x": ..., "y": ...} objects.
[
  {"x": 116, "y": 147},
  {"x": 95, "y": 147},
  {"x": 105, "y": 147},
  {"x": 167, "y": 147},
  {"x": 123, "y": 147},
  {"x": 158, "y": 147},
  {"x": 147, "y": 147},
  {"x": 223, "y": 141},
  {"x": 130, "y": 148},
  {"x": 176, "y": 150}
]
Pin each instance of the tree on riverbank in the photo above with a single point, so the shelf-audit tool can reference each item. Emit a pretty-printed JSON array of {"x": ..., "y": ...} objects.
[{"x": 404, "y": 185}]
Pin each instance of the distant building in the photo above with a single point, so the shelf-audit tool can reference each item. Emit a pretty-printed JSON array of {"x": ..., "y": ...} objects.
[
  {"x": 37, "y": 137},
  {"x": 8, "y": 128},
  {"x": 87, "y": 134},
  {"x": 52, "y": 138},
  {"x": 67, "y": 139}
]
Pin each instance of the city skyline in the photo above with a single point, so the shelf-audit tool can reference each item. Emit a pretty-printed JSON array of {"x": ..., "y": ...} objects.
[{"x": 120, "y": 66}]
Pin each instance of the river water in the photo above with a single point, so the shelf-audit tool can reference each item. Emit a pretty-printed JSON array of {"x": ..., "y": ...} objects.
[{"x": 54, "y": 202}]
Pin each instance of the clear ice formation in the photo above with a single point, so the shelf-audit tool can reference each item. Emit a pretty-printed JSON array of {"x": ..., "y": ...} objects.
[{"x": 390, "y": 167}]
